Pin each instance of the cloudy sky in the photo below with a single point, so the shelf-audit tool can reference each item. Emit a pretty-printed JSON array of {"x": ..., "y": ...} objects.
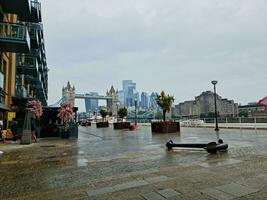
[{"x": 174, "y": 45}]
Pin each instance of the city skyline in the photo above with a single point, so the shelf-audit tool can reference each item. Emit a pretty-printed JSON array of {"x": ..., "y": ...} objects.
[
  {"x": 138, "y": 40},
  {"x": 123, "y": 90}
]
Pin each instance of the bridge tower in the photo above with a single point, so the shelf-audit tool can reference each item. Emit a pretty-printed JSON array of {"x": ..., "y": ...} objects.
[
  {"x": 112, "y": 103},
  {"x": 68, "y": 94}
]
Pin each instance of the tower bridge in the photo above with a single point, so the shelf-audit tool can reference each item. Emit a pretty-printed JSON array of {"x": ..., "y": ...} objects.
[
  {"x": 69, "y": 96},
  {"x": 88, "y": 96}
]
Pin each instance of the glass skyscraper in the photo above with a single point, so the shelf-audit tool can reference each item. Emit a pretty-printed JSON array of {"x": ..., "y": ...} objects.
[{"x": 91, "y": 104}]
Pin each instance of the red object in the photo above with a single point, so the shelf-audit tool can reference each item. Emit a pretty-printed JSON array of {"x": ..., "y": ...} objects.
[
  {"x": 262, "y": 102},
  {"x": 133, "y": 127}
]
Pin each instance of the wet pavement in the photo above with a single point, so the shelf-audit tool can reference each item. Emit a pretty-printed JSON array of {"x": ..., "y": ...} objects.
[{"x": 108, "y": 164}]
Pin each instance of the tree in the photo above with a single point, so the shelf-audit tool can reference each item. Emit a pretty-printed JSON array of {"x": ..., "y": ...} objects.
[
  {"x": 243, "y": 113},
  {"x": 122, "y": 112},
  {"x": 65, "y": 113},
  {"x": 165, "y": 102},
  {"x": 103, "y": 113},
  {"x": 158, "y": 115}
]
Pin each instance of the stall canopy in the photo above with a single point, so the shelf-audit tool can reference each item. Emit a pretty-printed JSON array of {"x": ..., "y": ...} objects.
[{"x": 3, "y": 107}]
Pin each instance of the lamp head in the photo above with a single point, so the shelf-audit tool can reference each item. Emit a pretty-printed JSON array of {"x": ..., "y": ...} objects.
[{"x": 214, "y": 82}]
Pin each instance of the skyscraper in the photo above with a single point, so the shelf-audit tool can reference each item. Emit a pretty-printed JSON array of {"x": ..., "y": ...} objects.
[
  {"x": 144, "y": 100},
  {"x": 153, "y": 102},
  {"x": 121, "y": 97},
  {"x": 129, "y": 89},
  {"x": 91, "y": 104}
]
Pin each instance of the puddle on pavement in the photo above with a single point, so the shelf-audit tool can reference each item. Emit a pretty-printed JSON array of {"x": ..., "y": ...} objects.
[
  {"x": 82, "y": 162},
  {"x": 218, "y": 163}
]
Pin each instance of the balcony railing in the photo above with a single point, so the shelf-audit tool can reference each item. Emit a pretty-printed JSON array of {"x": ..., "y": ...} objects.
[
  {"x": 14, "y": 38},
  {"x": 27, "y": 64},
  {"x": 21, "y": 91},
  {"x": 35, "y": 34},
  {"x": 36, "y": 11}
]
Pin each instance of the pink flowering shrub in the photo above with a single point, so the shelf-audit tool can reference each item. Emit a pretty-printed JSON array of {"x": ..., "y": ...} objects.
[
  {"x": 65, "y": 113},
  {"x": 36, "y": 108}
]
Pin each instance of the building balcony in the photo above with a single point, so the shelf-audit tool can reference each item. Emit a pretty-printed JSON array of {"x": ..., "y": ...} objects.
[
  {"x": 27, "y": 64},
  {"x": 20, "y": 7},
  {"x": 36, "y": 11},
  {"x": 35, "y": 35},
  {"x": 14, "y": 38},
  {"x": 21, "y": 91}
]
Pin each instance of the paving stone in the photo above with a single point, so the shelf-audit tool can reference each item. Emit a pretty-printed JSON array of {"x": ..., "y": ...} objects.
[
  {"x": 167, "y": 193},
  {"x": 100, "y": 191},
  {"x": 153, "y": 196},
  {"x": 217, "y": 194},
  {"x": 129, "y": 185},
  {"x": 236, "y": 189},
  {"x": 157, "y": 179}
]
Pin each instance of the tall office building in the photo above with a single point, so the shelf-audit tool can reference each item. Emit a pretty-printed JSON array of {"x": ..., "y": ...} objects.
[
  {"x": 153, "y": 103},
  {"x": 144, "y": 100},
  {"x": 129, "y": 89},
  {"x": 121, "y": 97},
  {"x": 91, "y": 104},
  {"x": 137, "y": 99}
]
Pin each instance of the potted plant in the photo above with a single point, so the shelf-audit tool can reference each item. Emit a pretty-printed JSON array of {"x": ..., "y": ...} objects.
[
  {"x": 65, "y": 113},
  {"x": 33, "y": 113},
  {"x": 165, "y": 102},
  {"x": 35, "y": 108},
  {"x": 120, "y": 124},
  {"x": 104, "y": 123}
]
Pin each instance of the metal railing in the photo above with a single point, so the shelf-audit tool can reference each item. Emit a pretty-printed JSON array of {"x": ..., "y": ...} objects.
[
  {"x": 14, "y": 32},
  {"x": 229, "y": 122},
  {"x": 27, "y": 61},
  {"x": 21, "y": 91}
]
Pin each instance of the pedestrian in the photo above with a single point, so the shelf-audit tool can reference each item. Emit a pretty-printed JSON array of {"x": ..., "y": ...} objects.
[
  {"x": 33, "y": 135},
  {"x": 14, "y": 130},
  {"x": 4, "y": 133}
]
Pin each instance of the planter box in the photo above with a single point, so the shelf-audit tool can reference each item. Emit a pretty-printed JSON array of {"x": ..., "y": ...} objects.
[
  {"x": 121, "y": 125},
  {"x": 102, "y": 125},
  {"x": 165, "y": 127},
  {"x": 85, "y": 123},
  {"x": 65, "y": 134}
]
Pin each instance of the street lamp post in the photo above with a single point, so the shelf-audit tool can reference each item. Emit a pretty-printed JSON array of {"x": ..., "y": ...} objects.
[
  {"x": 117, "y": 104},
  {"x": 135, "y": 105},
  {"x": 215, "y": 105}
]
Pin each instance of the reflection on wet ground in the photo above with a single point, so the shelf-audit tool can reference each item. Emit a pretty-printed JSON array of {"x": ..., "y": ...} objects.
[{"x": 103, "y": 157}]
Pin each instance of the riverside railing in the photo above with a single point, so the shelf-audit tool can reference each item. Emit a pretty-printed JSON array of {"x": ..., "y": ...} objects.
[{"x": 228, "y": 122}]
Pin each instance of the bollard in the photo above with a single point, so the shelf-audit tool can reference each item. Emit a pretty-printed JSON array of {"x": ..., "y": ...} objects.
[{"x": 211, "y": 147}]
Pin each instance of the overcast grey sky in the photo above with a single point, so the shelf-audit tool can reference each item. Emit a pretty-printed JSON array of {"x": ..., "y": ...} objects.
[{"x": 174, "y": 45}]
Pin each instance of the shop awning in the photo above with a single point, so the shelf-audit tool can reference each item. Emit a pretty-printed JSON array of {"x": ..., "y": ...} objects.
[{"x": 3, "y": 107}]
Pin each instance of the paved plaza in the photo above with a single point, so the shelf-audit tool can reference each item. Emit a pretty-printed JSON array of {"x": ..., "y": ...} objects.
[{"x": 108, "y": 164}]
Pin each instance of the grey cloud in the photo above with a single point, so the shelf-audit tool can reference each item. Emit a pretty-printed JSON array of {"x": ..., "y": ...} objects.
[{"x": 175, "y": 45}]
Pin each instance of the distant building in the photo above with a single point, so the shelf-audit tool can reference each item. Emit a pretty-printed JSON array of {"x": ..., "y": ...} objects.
[
  {"x": 144, "y": 100},
  {"x": 91, "y": 104},
  {"x": 129, "y": 89},
  {"x": 203, "y": 106},
  {"x": 121, "y": 97},
  {"x": 253, "y": 109},
  {"x": 153, "y": 103},
  {"x": 68, "y": 94},
  {"x": 137, "y": 98}
]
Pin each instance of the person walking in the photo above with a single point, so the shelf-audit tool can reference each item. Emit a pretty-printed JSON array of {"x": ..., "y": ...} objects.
[{"x": 33, "y": 131}]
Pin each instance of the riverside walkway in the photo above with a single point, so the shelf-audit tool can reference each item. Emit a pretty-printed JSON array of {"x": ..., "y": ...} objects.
[{"x": 108, "y": 164}]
